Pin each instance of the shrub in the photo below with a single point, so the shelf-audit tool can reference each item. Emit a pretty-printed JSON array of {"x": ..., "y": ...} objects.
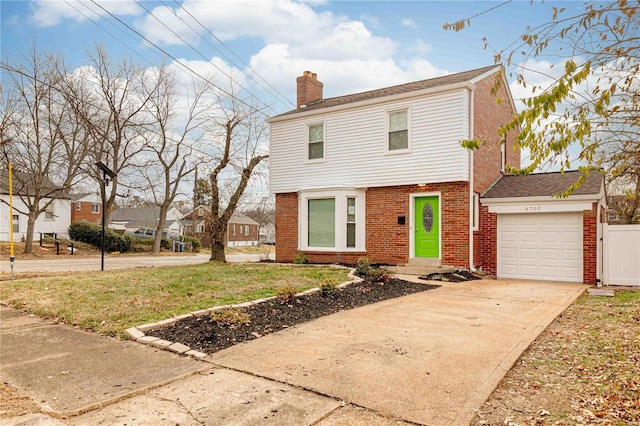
[
  {"x": 363, "y": 266},
  {"x": 328, "y": 289},
  {"x": 91, "y": 233},
  {"x": 195, "y": 243},
  {"x": 378, "y": 275},
  {"x": 286, "y": 294},
  {"x": 300, "y": 259},
  {"x": 231, "y": 317}
]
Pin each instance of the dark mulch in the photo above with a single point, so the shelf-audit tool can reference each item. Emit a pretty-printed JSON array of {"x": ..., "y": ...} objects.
[
  {"x": 204, "y": 334},
  {"x": 457, "y": 276}
]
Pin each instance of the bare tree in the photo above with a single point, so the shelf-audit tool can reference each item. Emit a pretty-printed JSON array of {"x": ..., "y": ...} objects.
[
  {"x": 114, "y": 115},
  {"x": 238, "y": 137},
  {"x": 48, "y": 141},
  {"x": 169, "y": 138}
]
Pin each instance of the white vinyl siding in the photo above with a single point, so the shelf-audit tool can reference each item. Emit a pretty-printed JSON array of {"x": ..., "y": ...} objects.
[
  {"x": 355, "y": 144},
  {"x": 60, "y": 223}
]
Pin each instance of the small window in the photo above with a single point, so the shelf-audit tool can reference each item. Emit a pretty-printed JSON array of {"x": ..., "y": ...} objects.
[
  {"x": 316, "y": 142},
  {"x": 351, "y": 222},
  {"x": 78, "y": 205},
  {"x": 95, "y": 208},
  {"x": 246, "y": 230},
  {"x": 398, "y": 130},
  {"x": 233, "y": 229},
  {"x": 48, "y": 212},
  {"x": 503, "y": 155},
  {"x": 612, "y": 216},
  {"x": 16, "y": 223},
  {"x": 200, "y": 228},
  {"x": 476, "y": 211}
]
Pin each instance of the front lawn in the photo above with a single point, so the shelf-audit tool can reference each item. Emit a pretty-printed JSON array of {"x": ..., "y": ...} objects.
[{"x": 112, "y": 301}]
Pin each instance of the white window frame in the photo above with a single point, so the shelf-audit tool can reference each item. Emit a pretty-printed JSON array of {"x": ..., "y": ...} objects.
[
  {"x": 15, "y": 223},
  {"x": 50, "y": 212},
  {"x": 387, "y": 131},
  {"x": 97, "y": 208},
  {"x": 613, "y": 216},
  {"x": 503, "y": 155},
  {"x": 246, "y": 230},
  {"x": 475, "y": 211},
  {"x": 78, "y": 205},
  {"x": 324, "y": 142},
  {"x": 233, "y": 227},
  {"x": 340, "y": 229}
]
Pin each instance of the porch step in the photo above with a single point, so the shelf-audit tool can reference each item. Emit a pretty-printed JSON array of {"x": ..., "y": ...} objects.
[{"x": 421, "y": 266}]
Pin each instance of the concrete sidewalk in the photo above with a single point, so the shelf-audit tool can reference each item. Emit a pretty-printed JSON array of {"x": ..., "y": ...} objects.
[{"x": 427, "y": 358}]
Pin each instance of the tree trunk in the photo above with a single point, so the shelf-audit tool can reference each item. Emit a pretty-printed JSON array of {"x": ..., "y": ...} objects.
[
  {"x": 31, "y": 224},
  {"x": 161, "y": 221},
  {"x": 218, "y": 231}
]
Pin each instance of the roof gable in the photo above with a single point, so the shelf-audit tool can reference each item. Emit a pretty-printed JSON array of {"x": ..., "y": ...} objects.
[
  {"x": 466, "y": 76},
  {"x": 544, "y": 184}
]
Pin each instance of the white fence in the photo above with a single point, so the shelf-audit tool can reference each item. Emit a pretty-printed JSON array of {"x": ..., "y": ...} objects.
[{"x": 621, "y": 262}]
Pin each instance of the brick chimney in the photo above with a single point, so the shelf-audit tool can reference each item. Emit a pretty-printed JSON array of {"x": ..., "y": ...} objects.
[{"x": 309, "y": 88}]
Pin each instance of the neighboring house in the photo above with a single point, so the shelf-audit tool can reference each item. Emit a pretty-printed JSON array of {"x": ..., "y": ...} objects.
[
  {"x": 132, "y": 218},
  {"x": 617, "y": 205},
  {"x": 86, "y": 207},
  {"x": 241, "y": 230},
  {"x": 382, "y": 173},
  {"x": 56, "y": 218},
  {"x": 268, "y": 233}
]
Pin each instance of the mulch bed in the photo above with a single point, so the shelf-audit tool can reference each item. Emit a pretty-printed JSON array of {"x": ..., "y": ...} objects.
[{"x": 205, "y": 334}]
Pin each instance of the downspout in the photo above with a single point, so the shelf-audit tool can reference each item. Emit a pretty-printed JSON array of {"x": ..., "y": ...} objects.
[{"x": 471, "y": 203}]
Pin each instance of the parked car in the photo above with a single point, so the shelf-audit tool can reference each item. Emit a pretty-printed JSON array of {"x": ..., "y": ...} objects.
[{"x": 150, "y": 233}]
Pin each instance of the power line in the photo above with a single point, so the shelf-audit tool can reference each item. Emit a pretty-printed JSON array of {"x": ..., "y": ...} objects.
[
  {"x": 178, "y": 61},
  {"x": 199, "y": 53},
  {"x": 287, "y": 100}
]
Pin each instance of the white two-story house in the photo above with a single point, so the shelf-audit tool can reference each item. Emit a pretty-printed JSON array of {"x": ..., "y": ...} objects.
[{"x": 383, "y": 174}]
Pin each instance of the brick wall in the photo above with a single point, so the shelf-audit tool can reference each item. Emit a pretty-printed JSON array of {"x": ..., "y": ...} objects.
[
  {"x": 488, "y": 117},
  {"x": 240, "y": 234},
  {"x": 590, "y": 244},
  {"x": 387, "y": 242},
  {"x": 286, "y": 226},
  {"x": 485, "y": 242},
  {"x": 84, "y": 214}
]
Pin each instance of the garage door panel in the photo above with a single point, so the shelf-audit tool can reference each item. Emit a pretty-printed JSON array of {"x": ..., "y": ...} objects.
[{"x": 544, "y": 246}]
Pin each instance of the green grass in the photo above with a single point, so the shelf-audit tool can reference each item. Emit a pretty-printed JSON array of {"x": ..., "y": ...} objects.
[{"x": 112, "y": 301}]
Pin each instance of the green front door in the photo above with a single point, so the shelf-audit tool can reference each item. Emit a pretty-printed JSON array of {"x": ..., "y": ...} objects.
[{"x": 427, "y": 227}]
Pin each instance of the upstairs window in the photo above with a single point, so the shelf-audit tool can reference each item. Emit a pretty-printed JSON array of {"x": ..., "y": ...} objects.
[
  {"x": 398, "y": 137},
  {"x": 503, "y": 155},
  {"x": 316, "y": 141}
]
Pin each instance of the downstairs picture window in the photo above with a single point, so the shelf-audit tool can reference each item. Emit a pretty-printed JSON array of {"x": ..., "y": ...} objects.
[{"x": 332, "y": 220}]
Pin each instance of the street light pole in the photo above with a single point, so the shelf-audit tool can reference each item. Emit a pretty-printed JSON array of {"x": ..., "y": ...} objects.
[{"x": 106, "y": 174}]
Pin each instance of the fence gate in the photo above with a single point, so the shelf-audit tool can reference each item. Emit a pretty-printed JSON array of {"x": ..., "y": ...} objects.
[{"x": 621, "y": 260}]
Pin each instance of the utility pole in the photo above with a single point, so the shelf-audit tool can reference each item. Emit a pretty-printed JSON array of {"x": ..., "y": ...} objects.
[
  {"x": 107, "y": 174},
  {"x": 12, "y": 257}
]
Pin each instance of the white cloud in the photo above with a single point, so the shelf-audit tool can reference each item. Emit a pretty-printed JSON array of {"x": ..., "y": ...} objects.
[
  {"x": 409, "y": 23},
  {"x": 46, "y": 13},
  {"x": 419, "y": 48}
]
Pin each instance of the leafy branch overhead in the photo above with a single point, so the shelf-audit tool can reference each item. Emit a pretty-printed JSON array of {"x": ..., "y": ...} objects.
[{"x": 586, "y": 112}]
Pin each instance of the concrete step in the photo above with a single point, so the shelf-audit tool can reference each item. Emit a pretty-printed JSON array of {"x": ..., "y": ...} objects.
[{"x": 421, "y": 267}]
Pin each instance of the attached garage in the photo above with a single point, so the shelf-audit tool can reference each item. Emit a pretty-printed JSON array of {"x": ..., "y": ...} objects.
[
  {"x": 540, "y": 246},
  {"x": 539, "y": 236}
]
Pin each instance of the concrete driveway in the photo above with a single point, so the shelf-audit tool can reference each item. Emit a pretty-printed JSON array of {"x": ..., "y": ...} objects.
[{"x": 429, "y": 358}]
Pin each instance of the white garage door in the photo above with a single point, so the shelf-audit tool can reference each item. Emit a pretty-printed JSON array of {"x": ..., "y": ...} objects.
[{"x": 540, "y": 246}]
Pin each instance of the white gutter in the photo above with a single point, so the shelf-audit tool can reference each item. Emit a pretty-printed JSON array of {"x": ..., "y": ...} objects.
[{"x": 472, "y": 266}]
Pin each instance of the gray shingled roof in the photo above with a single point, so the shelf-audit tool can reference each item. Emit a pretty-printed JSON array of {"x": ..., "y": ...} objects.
[
  {"x": 394, "y": 90},
  {"x": 23, "y": 184},
  {"x": 544, "y": 184}
]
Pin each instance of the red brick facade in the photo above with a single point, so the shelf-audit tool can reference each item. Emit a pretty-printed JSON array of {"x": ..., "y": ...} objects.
[
  {"x": 84, "y": 213},
  {"x": 387, "y": 242},
  {"x": 590, "y": 244}
]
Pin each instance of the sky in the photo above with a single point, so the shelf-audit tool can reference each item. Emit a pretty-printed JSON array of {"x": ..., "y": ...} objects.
[{"x": 264, "y": 45}]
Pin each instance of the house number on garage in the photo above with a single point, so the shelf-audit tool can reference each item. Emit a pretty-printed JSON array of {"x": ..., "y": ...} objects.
[{"x": 532, "y": 209}]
